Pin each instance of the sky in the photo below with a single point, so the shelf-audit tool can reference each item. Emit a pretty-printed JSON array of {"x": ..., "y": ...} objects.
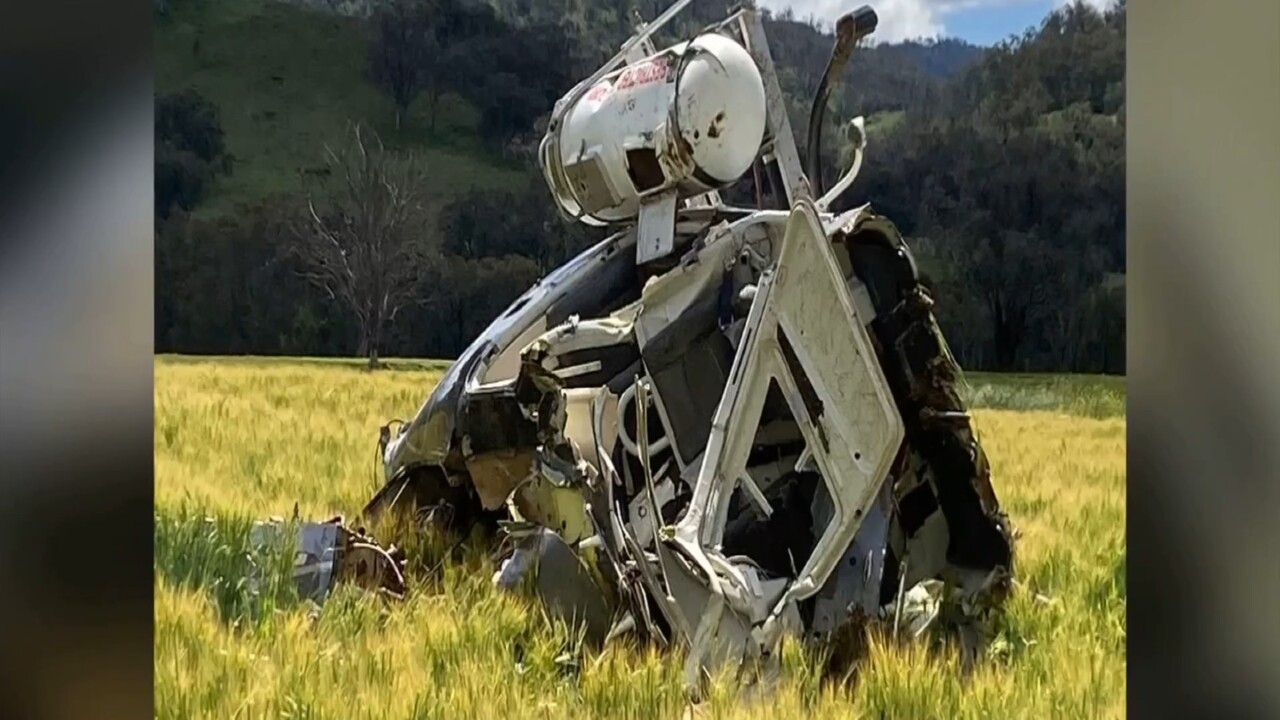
[{"x": 982, "y": 22}]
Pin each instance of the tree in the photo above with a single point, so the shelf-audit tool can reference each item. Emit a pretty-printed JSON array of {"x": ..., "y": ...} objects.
[
  {"x": 191, "y": 122},
  {"x": 190, "y": 150},
  {"x": 519, "y": 222},
  {"x": 514, "y": 76},
  {"x": 223, "y": 285},
  {"x": 367, "y": 250},
  {"x": 402, "y": 52}
]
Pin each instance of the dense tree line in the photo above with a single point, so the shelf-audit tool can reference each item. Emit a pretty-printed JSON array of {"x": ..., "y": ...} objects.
[
  {"x": 1012, "y": 186},
  {"x": 1004, "y": 167}
]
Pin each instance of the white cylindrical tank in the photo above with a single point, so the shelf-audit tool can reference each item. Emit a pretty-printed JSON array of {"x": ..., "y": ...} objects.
[{"x": 691, "y": 117}]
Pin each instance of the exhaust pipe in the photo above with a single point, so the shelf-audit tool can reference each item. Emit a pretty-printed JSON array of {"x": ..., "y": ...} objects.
[{"x": 850, "y": 28}]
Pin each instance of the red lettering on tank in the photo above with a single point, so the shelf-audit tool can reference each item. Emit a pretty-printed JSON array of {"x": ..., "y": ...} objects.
[{"x": 650, "y": 72}]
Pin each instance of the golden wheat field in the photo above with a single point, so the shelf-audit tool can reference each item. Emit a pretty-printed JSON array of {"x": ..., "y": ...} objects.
[{"x": 240, "y": 439}]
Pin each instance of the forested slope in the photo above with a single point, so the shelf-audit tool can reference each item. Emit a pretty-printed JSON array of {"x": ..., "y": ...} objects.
[{"x": 1004, "y": 165}]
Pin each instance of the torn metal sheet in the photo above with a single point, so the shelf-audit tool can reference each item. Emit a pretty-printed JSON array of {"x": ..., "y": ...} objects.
[
  {"x": 328, "y": 553},
  {"x": 561, "y": 579},
  {"x": 722, "y": 425}
]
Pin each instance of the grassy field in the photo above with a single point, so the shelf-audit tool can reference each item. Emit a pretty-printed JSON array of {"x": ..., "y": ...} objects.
[
  {"x": 287, "y": 80},
  {"x": 237, "y": 439}
]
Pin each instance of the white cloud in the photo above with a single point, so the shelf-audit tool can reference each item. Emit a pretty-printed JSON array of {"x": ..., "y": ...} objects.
[{"x": 899, "y": 19}]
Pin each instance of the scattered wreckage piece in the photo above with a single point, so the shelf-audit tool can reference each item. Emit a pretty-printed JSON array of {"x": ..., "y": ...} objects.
[
  {"x": 330, "y": 553},
  {"x": 720, "y": 425}
]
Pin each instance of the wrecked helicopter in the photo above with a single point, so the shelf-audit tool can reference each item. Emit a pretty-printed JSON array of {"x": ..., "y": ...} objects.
[{"x": 720, "y": 425}]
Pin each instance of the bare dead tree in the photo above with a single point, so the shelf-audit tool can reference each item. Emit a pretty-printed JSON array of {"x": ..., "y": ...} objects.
[{"x": 369, "y": 247}]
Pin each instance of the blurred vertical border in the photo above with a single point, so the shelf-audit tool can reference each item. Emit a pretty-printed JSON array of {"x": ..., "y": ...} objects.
[
  {"x": 76, "y": 372},
  {"x": 76, "y": 395},
  {"x": 1203, "y": 112}
]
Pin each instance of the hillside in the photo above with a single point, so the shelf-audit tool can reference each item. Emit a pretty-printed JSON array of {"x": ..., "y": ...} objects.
[
  {"x": 286, "y": 80},
  {"x": 1004, "y": 166},
  {"x": 287, "y": 77}
]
